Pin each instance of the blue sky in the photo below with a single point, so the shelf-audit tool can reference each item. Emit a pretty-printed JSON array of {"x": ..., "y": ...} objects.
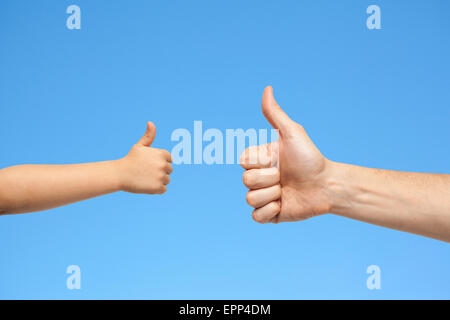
[{"x": 377, "y": 98}]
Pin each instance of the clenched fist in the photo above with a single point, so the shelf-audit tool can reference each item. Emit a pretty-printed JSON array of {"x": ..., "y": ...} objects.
[
  {"x": 290, "y": 180},
  {"x": 286, "y": 178},
  {"x": 145, "y": 169}
]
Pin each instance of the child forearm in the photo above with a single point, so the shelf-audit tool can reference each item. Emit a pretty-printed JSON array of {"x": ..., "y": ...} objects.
[{"x": 28, "y": 188}]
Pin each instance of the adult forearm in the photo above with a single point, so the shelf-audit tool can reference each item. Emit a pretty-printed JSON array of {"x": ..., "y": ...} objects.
[
  {"x": 28, "y": 188},
  {"x": 414, "y": 202}
]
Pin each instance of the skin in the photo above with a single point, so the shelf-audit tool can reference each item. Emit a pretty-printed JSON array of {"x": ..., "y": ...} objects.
[
  {"x": 29, "y": 188},
  {"x": 305, "y": 184}
]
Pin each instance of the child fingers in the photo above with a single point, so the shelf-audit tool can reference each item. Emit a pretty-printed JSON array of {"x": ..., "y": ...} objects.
[
  {"x": 166, "y": 180},
  {"x": 169, "y": 168}
]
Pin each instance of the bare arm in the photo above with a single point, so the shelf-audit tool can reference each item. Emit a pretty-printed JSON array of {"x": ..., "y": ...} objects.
[
  {"x": 413, "y": 202},
  {"x": 29, "y": 188},
  {"x": 306, "y": 184}
]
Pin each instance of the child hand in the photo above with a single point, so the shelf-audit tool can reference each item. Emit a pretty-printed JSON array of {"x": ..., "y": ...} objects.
[{"x": 145, "y": 169}]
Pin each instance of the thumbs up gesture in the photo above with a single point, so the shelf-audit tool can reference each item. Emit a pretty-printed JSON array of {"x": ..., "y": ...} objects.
[
  {"x": 293, "y": 190},
  {"x": 145, "y": 169}
]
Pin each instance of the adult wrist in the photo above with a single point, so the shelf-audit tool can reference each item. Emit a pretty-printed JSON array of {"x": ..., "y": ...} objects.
[{"x": 339, "y": 187}]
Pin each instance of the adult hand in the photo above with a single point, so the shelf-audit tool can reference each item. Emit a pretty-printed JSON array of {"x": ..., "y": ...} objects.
[{"x": 295, "y": 190}]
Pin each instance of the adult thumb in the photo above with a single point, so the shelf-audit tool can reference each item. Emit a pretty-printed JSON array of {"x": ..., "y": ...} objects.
[
  {"x": 149, "y": 135},
  {"x": 273, "y": 112}
]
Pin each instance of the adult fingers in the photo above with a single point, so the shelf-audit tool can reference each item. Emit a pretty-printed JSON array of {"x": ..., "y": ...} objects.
[
  {"x": 263, "y": 156},
  {"x": 266, "y": 213},
  {"x": 260, "y": 197},
  {"x": 261, "y": 178}
]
